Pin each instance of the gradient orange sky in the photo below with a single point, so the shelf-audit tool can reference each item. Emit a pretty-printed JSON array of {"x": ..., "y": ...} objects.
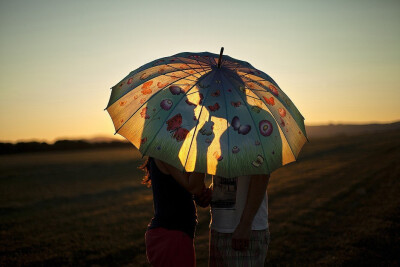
[{"x": 338, "y": 61}]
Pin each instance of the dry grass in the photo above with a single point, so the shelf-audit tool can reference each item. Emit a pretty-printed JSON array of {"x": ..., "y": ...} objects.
[{"x": 338, "y": 205}]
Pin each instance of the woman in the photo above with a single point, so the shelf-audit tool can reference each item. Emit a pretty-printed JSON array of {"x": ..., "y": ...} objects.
[{"x": 169, "y": 237}]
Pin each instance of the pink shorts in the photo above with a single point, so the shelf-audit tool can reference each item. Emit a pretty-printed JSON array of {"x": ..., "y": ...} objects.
[{"x": 169, "y": 248}]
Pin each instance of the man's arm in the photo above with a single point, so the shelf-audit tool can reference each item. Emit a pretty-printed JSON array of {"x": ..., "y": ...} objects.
[{"x": 255, "y": 195}]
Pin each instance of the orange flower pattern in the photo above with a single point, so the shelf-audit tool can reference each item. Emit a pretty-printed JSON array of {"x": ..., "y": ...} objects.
[{"x": 146, "y": 88}]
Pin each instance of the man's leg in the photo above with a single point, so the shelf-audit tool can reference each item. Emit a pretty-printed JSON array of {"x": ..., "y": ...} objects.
[{"x": 222, "y": 254}]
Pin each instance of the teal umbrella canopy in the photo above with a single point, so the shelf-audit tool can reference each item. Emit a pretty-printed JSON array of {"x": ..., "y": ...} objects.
[{"x": 208, "y": 113}]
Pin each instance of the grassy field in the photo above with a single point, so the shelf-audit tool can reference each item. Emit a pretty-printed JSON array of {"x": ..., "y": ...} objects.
[{"x": 338, "y": 205}]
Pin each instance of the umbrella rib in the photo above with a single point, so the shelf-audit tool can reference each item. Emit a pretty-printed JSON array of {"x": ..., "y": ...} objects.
[
  {"x": 256, "y": 90},
  {"x": 191, "y": 56},
  {"x": 291, "y": 149},
  {"x": 262, "y": 80},
  {"x": 284, "y": 104},
  {"x": 279, "y": 125},
  {"x": 215, "y": 62},
  {"x": 183, "y": 70},
  {"x": 154, "y": 63},
  {"x": 188, "y": 65},
  {"x": 160, "y": 111},
  {"x": 209, "y": 60},
  {"x": 203, "y": 59},
  {"x": 284, "y": 134},
  {"x": 192, "y": 93},
  {"x": 203, "y": 62},
  {"x": 238, "y": 65},
  {"x": 241, "y": 76},
  {"x": 253, "y": 97},
  {"x": 144, "y": 152},
  {"x": 229, "y": 62},
  {"x": 144, "y": 104},
  {"x": 227, "y": 127},
  {"x": 255, "y": 128},
  {"x": 195, "y": 129},
  {"x": 143, "y": 83},
  {"x": 246, "y": 73},
  {"x": 186, "y": 78},
  {"x": 270, "y": 80},
  {"x": 189, "y": 74},
  {"x": 146, "y": 80}
]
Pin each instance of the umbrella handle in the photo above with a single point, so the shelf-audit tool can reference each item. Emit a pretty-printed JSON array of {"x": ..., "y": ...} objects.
[{"x": 220, "y": 57}]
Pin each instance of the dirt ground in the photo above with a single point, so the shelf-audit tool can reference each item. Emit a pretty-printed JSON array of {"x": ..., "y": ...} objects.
[{"x": 338, "y": 205}]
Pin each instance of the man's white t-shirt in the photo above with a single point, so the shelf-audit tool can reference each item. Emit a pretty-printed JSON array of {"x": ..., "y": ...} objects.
[{"x": 228, "y": 201}]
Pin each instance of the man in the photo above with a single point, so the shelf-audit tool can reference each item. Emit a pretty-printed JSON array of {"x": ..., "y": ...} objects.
[{"x": 239, "y": 233}]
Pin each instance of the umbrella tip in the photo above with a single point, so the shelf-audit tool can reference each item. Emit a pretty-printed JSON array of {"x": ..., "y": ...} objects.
[{"x": 220, "y": 57}]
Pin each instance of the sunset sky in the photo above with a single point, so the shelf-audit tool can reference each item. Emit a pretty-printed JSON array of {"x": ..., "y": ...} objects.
[{"x": 338, "y": 61}]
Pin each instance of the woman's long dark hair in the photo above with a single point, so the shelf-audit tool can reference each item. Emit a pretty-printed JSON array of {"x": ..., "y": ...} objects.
[{"x": 146, "y": 168}]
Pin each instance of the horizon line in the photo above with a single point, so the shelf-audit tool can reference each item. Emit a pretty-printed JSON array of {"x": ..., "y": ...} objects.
[{"x": 121, "y": 138}]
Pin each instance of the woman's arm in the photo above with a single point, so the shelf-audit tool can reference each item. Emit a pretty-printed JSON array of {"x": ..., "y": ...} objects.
[{"x": 192, "y": 182}]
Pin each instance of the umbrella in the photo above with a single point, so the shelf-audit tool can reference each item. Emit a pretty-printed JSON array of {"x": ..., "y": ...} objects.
[{"x": 208, "y": 113}]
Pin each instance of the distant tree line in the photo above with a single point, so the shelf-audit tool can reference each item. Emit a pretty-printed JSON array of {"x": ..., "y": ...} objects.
[{"x": 23, "y": 147}]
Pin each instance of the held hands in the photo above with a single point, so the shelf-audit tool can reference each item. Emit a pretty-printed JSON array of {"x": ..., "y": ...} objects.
[{"x": 204, "y": 198}]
